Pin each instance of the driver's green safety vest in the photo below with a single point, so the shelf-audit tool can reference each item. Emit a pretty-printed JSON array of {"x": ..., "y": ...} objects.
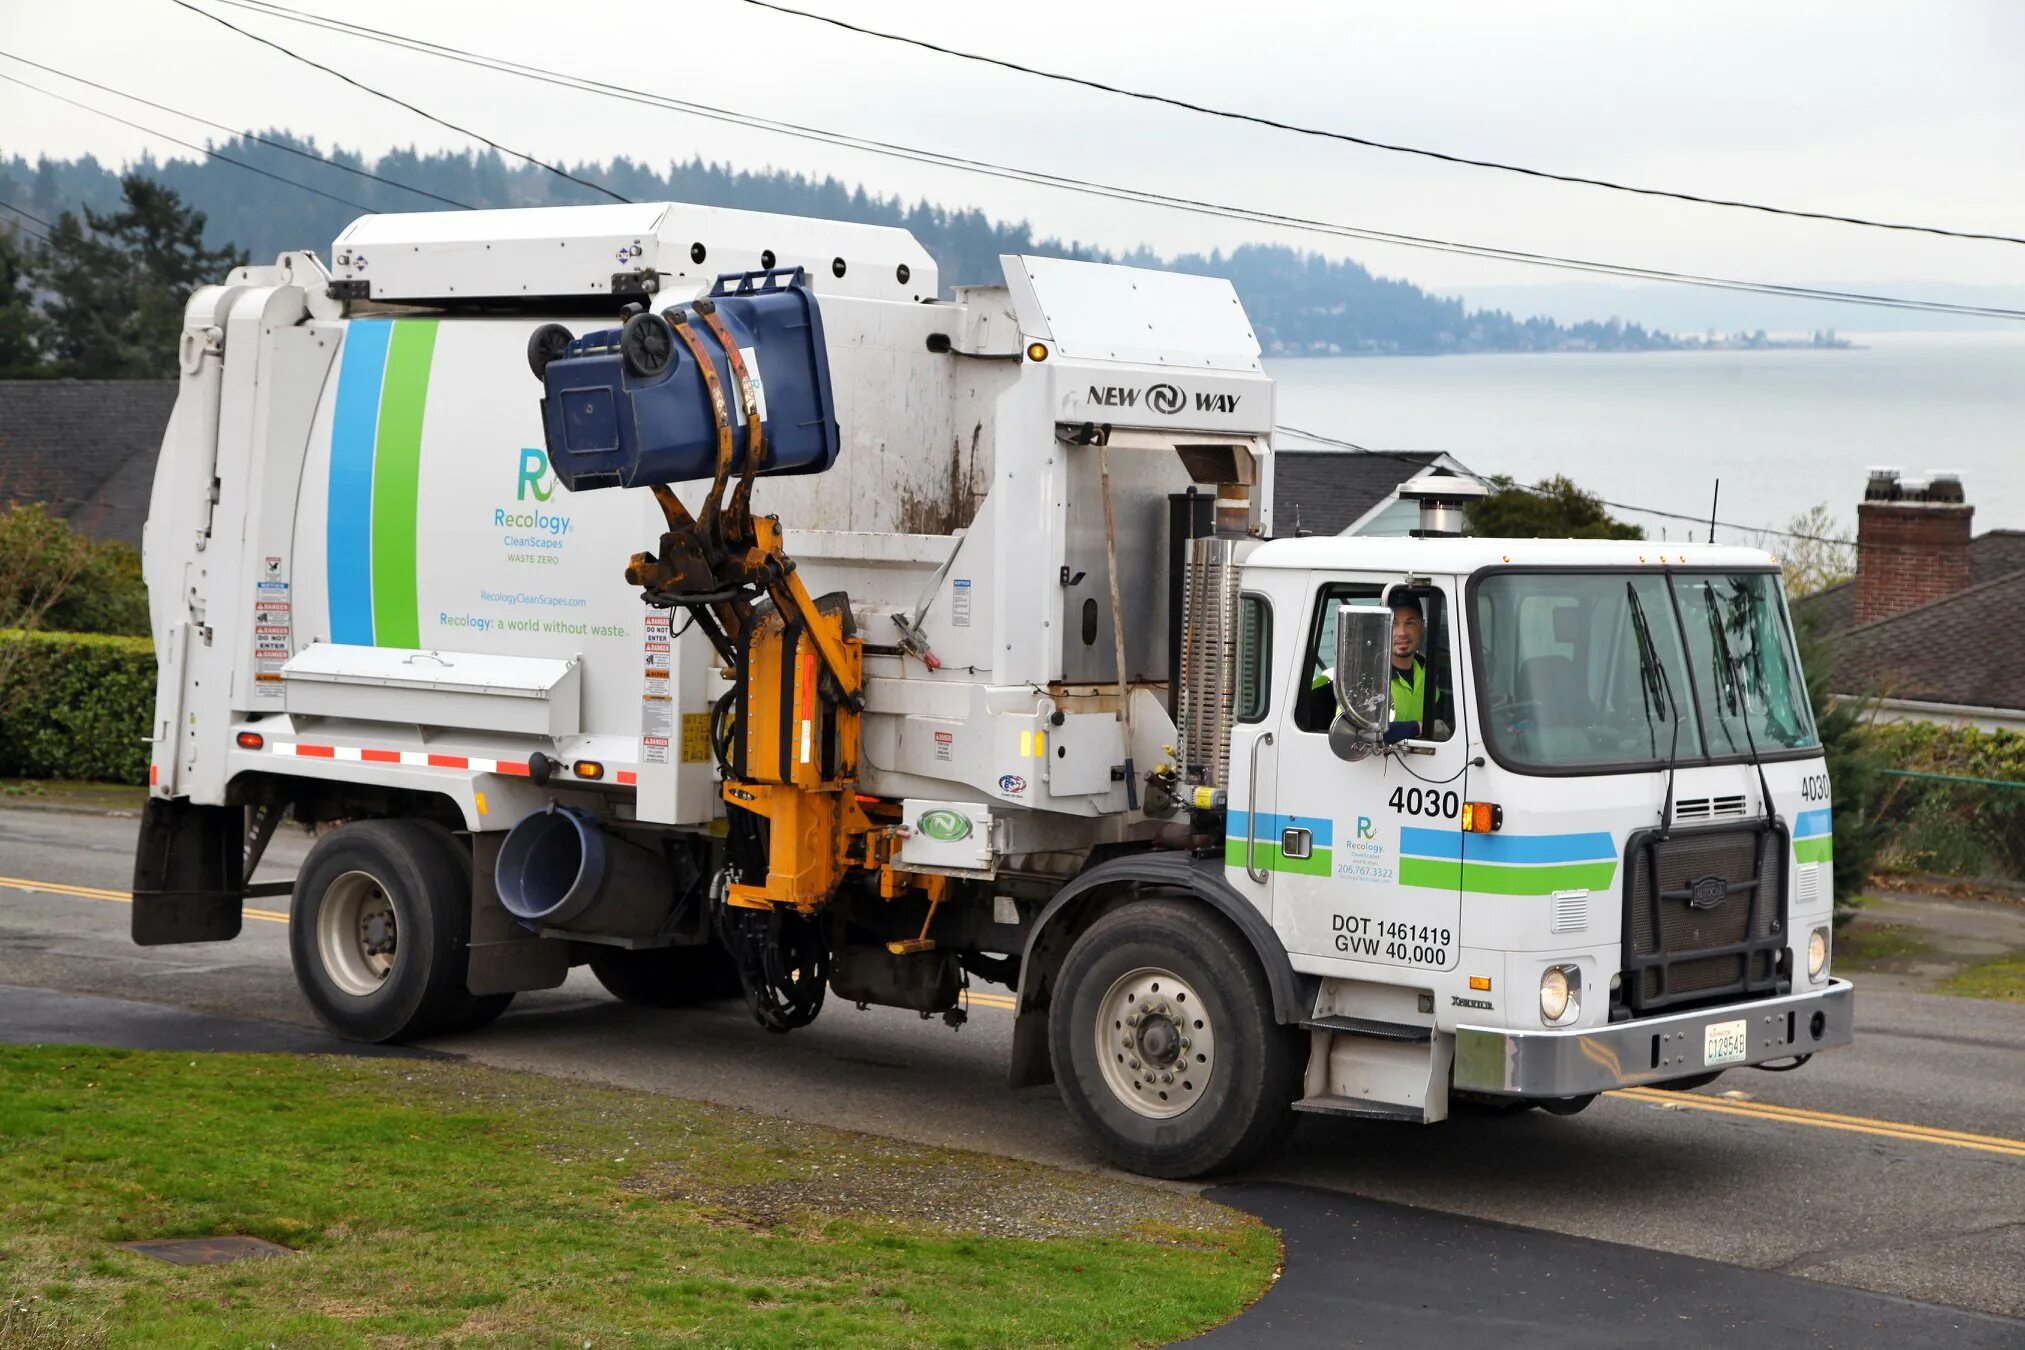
[{"x": 1409, "y": 692}]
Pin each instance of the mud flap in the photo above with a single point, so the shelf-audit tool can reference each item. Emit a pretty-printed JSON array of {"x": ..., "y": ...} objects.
[{"x": 189, "y": 873}]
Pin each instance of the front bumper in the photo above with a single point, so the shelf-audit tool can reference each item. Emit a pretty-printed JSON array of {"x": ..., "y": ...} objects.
[{"x": 1581, "y": 1060}]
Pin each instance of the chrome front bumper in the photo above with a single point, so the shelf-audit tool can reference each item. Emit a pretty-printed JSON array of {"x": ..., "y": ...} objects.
[{"x": 1582, "y": 1060}]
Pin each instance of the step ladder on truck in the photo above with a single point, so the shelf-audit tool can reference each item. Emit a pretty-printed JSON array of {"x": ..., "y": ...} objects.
[{"x": 799, "y": 633}]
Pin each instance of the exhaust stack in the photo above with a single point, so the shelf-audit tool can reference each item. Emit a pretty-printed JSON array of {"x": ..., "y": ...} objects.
[{"x": 1442, "y": 498}]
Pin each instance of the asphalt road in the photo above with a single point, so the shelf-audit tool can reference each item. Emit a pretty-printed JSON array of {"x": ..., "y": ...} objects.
[{"x": 1882, "y": 1167}]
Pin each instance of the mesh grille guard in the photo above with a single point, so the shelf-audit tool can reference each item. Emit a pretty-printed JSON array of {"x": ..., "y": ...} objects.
[{"x": 1704, "y": 917}]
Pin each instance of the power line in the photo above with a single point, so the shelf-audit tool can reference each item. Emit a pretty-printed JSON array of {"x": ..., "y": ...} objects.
[
  {"x": 163, "y": 135},
  {"x": 1034, "y": 177},
  {"x": 27, "y": 215},
  {"x": 244, "y": 135},
  {"x": 398, "y": 102},
  {"x": 1367, "y": 142}
]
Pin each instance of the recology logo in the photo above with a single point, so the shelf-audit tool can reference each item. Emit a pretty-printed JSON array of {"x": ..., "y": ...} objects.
[{"x": 534, "y": 468}]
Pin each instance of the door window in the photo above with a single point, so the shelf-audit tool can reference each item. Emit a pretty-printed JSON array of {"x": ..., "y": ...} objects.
[{"x": 1423, "y": 667}]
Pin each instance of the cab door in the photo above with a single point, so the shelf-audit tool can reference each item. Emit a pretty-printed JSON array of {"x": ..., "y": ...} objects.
[{"x": 1366, "y": 856}]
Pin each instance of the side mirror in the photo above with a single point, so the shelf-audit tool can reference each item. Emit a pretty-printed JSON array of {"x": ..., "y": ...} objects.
[{"x": 1363, "y": 680}]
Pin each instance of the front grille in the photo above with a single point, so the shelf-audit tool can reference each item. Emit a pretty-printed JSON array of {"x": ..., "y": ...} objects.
[
  {"x": 1704, "y": 916},
  {"x": 1707, "y": 808}
]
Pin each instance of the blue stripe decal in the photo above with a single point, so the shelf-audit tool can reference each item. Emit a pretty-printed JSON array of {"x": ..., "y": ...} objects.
[
  {"x": 1808, "y": 824},
  {"x": 1455, "y": 846},
  {"x": 1272, "y": 825},
  {"x": 348, "y": 526}
]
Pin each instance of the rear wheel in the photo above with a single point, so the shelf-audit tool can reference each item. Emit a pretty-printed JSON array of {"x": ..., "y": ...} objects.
[
  {"x": 667, "y": 977},
  {"x": 1165, "y": 1043},
  {"x": 378, "y": 933}
]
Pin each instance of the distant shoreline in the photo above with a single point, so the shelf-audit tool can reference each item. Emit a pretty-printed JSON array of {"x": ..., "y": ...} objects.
[{"x": 1698, "y": 349}]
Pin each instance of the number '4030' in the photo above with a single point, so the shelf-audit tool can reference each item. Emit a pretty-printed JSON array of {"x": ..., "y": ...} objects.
[{"x": 1432, "y": 803}]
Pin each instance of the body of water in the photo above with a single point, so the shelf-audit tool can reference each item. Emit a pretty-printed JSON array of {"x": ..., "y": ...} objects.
[{"x": 1783, "y": 430}]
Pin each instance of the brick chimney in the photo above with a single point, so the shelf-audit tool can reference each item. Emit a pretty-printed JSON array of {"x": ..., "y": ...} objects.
[{"x": 1912, "y": 542}]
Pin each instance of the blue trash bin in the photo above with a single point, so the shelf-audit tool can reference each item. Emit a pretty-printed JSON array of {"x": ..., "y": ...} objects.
[{"x": 628, "y": 407}]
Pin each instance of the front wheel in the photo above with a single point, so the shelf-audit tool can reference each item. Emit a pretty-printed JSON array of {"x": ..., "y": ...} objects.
[{"x": 1165, "y": 1043}]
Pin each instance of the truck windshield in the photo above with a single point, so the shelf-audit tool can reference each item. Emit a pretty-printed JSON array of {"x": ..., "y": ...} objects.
[
  {"x": 1743, "y": 655},
  {"x": 1594, "y": 671}
]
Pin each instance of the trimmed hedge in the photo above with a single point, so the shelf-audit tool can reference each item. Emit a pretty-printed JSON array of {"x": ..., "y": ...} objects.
[{"x": 76, "y": 705}]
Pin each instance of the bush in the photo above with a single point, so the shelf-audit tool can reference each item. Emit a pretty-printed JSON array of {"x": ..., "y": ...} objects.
[
  {"x": 1967, "y": 829},
  {"x": 53, "y": 577},
  {"x": 90, "y": 700}
]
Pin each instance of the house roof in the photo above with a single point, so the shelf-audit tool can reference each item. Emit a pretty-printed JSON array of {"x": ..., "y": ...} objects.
[
  {"x": 1994, "y": 554},
  {"x": 1328, "y": 491},
  {"x": 87, "y": 447},
  {"x": 1967, "y": 649}
]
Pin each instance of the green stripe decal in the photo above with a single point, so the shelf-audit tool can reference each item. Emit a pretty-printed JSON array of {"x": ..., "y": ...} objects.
[
  {"x": 1268, "y": 856},
  {"x": 1492, "y": 879},
  {"x": 397, "y": 469},
  {"x": 1821, "y": 848}
]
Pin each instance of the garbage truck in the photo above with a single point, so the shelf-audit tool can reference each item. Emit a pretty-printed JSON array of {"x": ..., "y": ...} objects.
[{"x": 713, "y": 599}]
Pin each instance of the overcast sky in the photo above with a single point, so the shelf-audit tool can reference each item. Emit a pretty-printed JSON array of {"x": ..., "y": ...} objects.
[{"x": 1864, "y": 107}]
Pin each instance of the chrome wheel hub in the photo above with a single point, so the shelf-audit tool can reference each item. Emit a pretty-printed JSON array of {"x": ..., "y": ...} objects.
[
  {"x": 357, "y": 935},
  {"x": 1155, "y": 1044}
]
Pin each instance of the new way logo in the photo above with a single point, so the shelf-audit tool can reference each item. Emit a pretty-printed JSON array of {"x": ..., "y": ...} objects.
[{"x": 944, "y": 825}]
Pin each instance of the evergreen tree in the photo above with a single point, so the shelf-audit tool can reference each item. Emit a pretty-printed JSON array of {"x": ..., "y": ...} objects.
[
  {"x": 119, "y": 282},
  {"x": 20, "y": 324},
  {"x": 1555, "y": 509}
]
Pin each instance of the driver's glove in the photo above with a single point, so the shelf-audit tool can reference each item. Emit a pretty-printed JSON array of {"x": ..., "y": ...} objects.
[{"x": 1401, "y": 731}]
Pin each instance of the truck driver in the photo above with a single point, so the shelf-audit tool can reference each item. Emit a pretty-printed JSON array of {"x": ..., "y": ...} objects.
[{"x": 1421, "y": 709}]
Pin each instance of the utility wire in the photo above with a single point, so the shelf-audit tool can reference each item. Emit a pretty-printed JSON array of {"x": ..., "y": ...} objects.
[
  {"x": 187, "y": 145},
  {"x": 399, "y": 102},
  {"x": 244, "y": 135},
  {"x": 1367, "y": 142},
  {"x": 26, "y": 215},
  {"x": 1038, "y": 178}
]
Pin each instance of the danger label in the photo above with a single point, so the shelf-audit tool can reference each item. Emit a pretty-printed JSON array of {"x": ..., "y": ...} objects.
[
  {"x": 657, "y": 699},
  {"x": 273, "y": 627}
]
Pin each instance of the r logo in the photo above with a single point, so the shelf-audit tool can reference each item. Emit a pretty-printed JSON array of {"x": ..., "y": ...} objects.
[
  {"x": 533, "y": 468},
  {"x": 1365, "y": 829}
]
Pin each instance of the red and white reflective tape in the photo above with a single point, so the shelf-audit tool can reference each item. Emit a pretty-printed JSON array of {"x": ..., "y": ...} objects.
[
  {"x": 421, "y": 759},
  {"x": 414, "y": 759}
]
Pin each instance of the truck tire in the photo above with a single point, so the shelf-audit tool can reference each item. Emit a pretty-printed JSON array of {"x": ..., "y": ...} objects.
[
  {"x": 378, "y": 929},
  {"x": 667, "y": 977},
  {"x": 1165, "y": 1043}
]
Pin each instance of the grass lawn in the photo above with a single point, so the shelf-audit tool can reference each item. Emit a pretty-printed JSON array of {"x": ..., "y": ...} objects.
[
  {"x": 2002, "y": 979},
  {"x": 436, "y": 1201}
]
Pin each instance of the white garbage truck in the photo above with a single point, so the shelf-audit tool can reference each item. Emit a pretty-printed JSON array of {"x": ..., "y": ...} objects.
[{"x": 706, "y": 597}]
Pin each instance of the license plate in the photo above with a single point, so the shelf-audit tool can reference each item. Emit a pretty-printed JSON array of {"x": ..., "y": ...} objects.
[{"x": 1725, "y": 1042}]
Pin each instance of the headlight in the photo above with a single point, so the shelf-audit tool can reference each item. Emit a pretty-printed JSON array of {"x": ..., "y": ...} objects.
[
  {"x": 1817, "y": 954},
  {"x": 1560, "y": 994}
]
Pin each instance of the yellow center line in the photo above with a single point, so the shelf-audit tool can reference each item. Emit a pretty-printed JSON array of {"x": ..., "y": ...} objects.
[
  {"x": 116, "y": 897},
  {"x": 1827, "y": 1120}
]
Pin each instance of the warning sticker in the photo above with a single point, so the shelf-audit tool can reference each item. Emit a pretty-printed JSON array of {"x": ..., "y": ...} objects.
[
  {"x": 945, "y": 745},
  {"x": 959, "y": 603},
  {"x": 657, "y": 699},
  {"x": 273, "y": 627},
  {"x": 695, "y": 738}
]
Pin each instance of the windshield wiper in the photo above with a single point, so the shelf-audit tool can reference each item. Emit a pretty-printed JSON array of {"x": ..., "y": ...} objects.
[
  {"x": 1737, "y": 699},
  {"x": 1653, "y": 676}
]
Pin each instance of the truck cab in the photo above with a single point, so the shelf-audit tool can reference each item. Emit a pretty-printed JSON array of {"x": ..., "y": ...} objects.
[{"x": 1605, "y": 864}]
